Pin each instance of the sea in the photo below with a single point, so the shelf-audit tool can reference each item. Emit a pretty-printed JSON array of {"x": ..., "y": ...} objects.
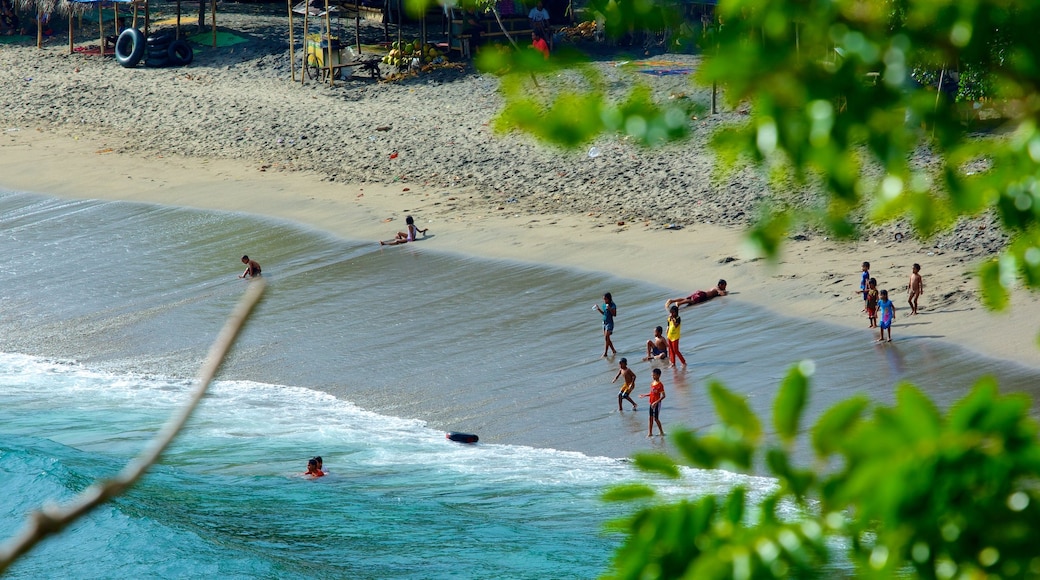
[{"x": 367, "y": 356}]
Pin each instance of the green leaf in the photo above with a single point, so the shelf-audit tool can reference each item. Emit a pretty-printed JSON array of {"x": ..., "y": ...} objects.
[
  {"x": 834, "y": 425},
  {"x": 994, "y": 295},
  {"x": 657, "y": 463},
  {"x": 790, "y": 402},
  {"x": 629, "y": 492},
  {"x": 735, "y": 412}
]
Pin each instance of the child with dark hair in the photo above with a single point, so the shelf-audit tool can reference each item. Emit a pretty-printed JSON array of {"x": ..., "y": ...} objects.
[
  {"x": 886, "y": 314},
  {"x": 405, "y": 237}
]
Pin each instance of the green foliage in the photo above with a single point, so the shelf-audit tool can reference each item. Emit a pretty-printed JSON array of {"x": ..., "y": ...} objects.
[{"x": 911, "y": 492}]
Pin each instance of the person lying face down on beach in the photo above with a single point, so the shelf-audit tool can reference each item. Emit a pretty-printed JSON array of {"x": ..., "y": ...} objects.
[
  {"x": 699, "y": 296},
  {"x": 405, "y": 237},
  {"x": 252, "y": 268}
]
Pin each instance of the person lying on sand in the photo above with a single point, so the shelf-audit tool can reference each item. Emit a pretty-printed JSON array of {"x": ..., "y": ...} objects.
[
  {"x": 699, "y": 296},
  {"x": 405, "y": 237}
]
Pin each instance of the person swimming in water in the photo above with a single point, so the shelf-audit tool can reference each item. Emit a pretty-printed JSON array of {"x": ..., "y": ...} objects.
[
  {"x": 699, "y": 296},
  {"x": 312, "y": 468}
]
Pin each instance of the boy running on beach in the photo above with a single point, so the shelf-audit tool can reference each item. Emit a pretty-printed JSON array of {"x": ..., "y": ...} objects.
[
  {"x": 915, "y": 288},
  {"x": 628, "y": 386},
  {"x": 887, "y": 314},
  {"x": 609, "y": 310},
  {"x": 656, "y": 395}
]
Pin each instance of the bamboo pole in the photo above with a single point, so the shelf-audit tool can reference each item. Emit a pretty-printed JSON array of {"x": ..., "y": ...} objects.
[
  {"x": 357, "y": 25},
  {"x": 71, "y": 48},
  {"x": 306, "y": 40},
  {"x": 101, "y": 27},
  {"x": 292, "y": 43},
  {"x": 177, "y": 30},
  {"x": 328, "y": 42},
  {"x": 213, "y": 18}
]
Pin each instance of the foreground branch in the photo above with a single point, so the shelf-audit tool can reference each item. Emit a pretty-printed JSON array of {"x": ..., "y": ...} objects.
[{"x": 52, "y": 519}]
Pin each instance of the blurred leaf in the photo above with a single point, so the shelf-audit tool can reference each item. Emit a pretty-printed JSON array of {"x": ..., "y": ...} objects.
[
  {"x": 735, "y": 412},
  {"x": 790, "y": 402},
  {"x": 835, "y": 424},
  {"x": 994, "y": 295},
  {"x": 656, "y": 463},
  {"x": 629, "y": 492}
]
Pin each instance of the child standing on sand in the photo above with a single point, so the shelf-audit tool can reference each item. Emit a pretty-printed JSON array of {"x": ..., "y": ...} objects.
[
  {"x": 887, "y": 314},
  {"x": 915, "y": 288},
  {"x": 609, "y": 310},
  {"x": 674, "y": 332},
  {"x": 872, "y": 302},
  {"x": 656, "y": 395},
  {"x": 628, "y": 386},
  {"x": 864, "y": 279}
]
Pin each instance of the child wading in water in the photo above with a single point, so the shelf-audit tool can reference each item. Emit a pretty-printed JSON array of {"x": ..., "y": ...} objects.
[
  {"x": 872, "y": 302},
  {"x": 609, "y": 310},
  {"x": 887, "y": 315},
  {"x": 674, "y": 332},
  {"x": 628, "y": 386},
  {"x": 656, "y": 395}
]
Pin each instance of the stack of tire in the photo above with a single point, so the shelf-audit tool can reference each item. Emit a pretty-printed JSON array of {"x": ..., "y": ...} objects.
[{"x": 159, "y": 50}]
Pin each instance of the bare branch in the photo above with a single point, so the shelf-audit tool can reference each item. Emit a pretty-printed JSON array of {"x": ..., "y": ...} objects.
[{"x": 51, "y": 519}]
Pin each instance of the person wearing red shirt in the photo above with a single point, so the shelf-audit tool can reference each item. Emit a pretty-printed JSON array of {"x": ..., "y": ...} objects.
[
  {"x": 539, "y": 43},
  {"x": 656, "y": 395}
]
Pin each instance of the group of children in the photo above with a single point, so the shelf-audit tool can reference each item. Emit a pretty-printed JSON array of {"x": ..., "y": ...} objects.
[
  {"x": 881, "y": 311},
  {"x": 660, "y": 347}
]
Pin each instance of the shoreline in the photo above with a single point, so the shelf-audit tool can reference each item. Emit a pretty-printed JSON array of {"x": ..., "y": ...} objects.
[{"x": 814, "y": 278}]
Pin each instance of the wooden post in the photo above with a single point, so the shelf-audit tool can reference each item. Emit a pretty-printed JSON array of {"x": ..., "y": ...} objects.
[
  {"x": 306, "y": 40},
  {"x": 357, "y": 25},
  {"x": 292, "y": 44},
  {"x": 213, "y": 18},
  {"x": 147, "y": 18},
  {"x": 70, "y": 38},
  {"x": 100, "y": 27},
  {"x": 177, "y": 31},
  {"x": 328, "y": 42}
]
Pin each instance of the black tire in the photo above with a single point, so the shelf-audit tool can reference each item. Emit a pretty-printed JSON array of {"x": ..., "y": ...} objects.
[
  {"x": 158, "y": 46},
  {"x": 163, "y": 37},
  {"x": 157, "y": 62},
  {"x": 180, "y": 53},
  {"x": 130, "y": 47}
]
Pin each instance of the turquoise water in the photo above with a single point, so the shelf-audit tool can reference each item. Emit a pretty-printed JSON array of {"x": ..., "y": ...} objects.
[
  {"x": 366, "y": 356},
  {"x": 400, "y": 500}
]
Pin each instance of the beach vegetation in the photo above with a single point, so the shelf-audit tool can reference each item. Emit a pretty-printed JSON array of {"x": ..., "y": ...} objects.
[{"x": 900, "y": 490}]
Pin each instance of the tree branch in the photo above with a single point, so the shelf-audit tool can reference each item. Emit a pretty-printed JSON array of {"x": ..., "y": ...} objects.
[{"x": 52, "y": 519}]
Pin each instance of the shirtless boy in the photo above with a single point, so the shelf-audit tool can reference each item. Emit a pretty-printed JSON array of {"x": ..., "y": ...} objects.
[
  {"x": 699, "y": 296},
  {"x": 626, "y": 388},
  {"x": 657, "y": 347},
  {"x": 915, "y": 289},
  {"x": 252, "y": 268}
]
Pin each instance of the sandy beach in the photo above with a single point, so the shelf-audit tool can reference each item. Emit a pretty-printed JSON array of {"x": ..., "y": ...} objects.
[{"x": 234, "y": 132}]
